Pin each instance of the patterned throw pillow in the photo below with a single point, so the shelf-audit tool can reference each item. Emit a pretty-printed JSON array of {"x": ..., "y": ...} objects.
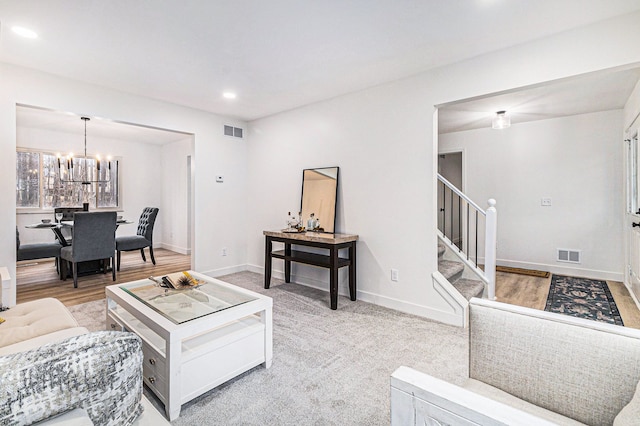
[{"x": 100, "y": 372}]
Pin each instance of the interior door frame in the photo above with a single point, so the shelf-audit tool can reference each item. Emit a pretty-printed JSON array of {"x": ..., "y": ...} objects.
[
  {"x": 463, "y": 179},
  {"x": 632, "y": 211}
]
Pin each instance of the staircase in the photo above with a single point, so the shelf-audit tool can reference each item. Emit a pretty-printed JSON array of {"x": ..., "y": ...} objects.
[
  {"x": 467, "y": 235},
  {"x": 453, "y": 271}
]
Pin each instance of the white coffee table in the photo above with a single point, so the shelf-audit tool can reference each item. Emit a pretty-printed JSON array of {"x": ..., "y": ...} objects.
[{"x": 195, "y": 339}]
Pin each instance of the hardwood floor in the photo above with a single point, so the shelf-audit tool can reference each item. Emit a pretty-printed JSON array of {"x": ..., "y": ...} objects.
[
  {"x": 531, "y": 292},
  {"x": 38, "y": 280}
]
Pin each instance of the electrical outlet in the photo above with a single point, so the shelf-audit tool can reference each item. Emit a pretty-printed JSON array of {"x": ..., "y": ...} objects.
[
  {"x": 394, "y": 275},
  {"x": 224, "y": 251},
  {"x": 219, "y": 178},
  {"x": 545, "y": 201}
]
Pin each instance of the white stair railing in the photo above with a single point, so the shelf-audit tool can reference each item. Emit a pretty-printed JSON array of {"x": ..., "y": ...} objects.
[{"x": 465, "y": 224}]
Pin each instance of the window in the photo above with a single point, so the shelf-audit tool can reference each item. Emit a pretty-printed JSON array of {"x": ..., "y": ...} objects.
[
  {"x": 27, "y": 179},
  {"x": 38, "y": 183}
]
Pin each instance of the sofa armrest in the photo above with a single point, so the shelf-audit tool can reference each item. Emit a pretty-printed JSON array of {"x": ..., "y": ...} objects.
[
  {"x": 100, "y": 372},
  {"x": 418, "y": 398}
]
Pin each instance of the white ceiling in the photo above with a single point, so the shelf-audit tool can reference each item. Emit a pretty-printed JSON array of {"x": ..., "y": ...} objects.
[
  {"x": 597, "y": 92},
  {"x": 278, "y": 54},
  {"x": 96, "y": 127}
]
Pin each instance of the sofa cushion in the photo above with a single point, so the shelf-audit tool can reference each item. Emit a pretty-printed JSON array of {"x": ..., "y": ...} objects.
[
  {"x": 32, "y": 319},
  {"x": 579, "y": 368},
  {"x": 630, "y": 414},
  {"x": 99, "y": 372}
]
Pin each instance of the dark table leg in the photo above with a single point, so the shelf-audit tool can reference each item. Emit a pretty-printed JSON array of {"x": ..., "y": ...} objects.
[
  {"x": 287, "y": 263},
  {"x": 333, "y": 277},
  {"x": 352, "y": 271},
  {"x": 58, "y": 234},
  {"x": 267, "y": 261}
]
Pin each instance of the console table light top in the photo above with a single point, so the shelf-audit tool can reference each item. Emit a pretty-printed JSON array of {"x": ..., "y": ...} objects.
[{"x": 313, "y": 236}]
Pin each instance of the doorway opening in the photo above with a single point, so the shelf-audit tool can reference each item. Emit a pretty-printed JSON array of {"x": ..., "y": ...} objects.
[{"x": 450, "y": 166}]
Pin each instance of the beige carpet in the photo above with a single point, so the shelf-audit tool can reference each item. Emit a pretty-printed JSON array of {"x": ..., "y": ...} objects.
[{"x": 329, "y": 367}]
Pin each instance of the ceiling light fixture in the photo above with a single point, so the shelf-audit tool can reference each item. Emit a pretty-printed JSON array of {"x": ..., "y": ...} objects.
[
  {"x": 68, "y": 174},
  {"x": 24, "y": 32},
  {"x": 501, "y": 120},
  {"x": 229, "y": 95}
]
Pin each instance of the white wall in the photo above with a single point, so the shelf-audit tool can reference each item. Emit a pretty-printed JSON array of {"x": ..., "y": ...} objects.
[
  {"x": 390, "y": 128},
  {"x": 219, "y": 209},
  {"x": 141, "y": 180},
  {"x": 175, "y": 198},
  {"x": 574, "y": 160}
]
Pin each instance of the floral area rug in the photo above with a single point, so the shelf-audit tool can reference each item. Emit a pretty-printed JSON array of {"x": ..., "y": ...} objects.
[{"x": 583, "y": 298}]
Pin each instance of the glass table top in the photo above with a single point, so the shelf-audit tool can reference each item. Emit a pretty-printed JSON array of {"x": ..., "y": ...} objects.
[{"x": 184, "y": 305}]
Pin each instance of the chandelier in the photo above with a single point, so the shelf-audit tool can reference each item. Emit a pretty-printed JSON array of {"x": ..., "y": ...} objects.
[{"x": 71, "y": 174}]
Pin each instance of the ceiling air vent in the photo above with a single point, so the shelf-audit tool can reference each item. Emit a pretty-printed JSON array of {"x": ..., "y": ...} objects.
[
  {"x": 232, "y": 131},
  {"x": 568, "y": 255}
]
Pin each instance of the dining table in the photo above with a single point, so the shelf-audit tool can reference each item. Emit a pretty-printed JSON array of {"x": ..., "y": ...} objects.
[
  {"x": 84, "y": 268},
  {"x": 56, "y": 228}
]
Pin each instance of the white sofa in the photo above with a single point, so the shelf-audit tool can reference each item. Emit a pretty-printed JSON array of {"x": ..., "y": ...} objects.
[
  {"x": 54, "y": 372},
  {"x": 529, "y": 367}
]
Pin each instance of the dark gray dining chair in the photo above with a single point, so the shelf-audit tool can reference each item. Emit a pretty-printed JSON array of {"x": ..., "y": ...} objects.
[
  {"x": 37, "y": 250},
  {"x": 94, "y": 238},
  {"x": 143, "y": 237}
]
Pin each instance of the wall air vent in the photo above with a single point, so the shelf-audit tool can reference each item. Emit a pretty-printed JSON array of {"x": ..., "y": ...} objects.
[
  {"x": 569, "y": 255},
  {"x": 232, "y": 131}
]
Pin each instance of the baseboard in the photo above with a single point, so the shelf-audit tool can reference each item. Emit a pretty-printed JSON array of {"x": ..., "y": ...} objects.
[
  {"x": 562, "y": 270},
  {"x": 176, "y": 249},
  {"x": 225, "y": 271},
  {"x": 410, "y": 308},
  {"x": 365, "y": 296}
]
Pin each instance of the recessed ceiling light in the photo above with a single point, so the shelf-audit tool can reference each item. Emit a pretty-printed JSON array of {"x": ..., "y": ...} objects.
[
  {"x": 24, "y": 32},
  {"x": 229, "y": 95}
]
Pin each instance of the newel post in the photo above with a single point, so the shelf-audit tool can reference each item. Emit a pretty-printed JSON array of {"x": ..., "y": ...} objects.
[{"x": 490, "y": 246}]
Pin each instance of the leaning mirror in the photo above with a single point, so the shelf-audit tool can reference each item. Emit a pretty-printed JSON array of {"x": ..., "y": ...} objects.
[{"x": 319, "y": 195}]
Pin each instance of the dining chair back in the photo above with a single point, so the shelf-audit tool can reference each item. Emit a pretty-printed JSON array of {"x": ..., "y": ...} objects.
[
  {"x": 67, "y": 214},
  {"x": 147, "y": 222},
  {"x": 94, "y": 238}
]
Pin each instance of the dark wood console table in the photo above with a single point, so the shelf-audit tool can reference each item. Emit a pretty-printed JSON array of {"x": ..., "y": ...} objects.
[{"x": 332, "y": 242}]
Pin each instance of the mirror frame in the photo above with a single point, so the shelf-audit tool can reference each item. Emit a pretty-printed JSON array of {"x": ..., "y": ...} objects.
[{"x": 335, "y": 204}]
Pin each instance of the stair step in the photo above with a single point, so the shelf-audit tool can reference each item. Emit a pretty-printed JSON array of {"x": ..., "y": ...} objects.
[
  {"x": 451, "y": 270},
  {"x": 469, "y": 288},
  {"x": 441, "y": 249}
]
